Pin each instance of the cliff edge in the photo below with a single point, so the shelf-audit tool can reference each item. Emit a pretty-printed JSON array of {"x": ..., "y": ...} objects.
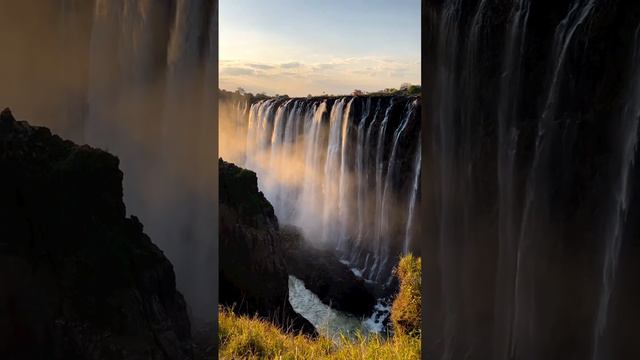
[{"x": 79, "y": 279}]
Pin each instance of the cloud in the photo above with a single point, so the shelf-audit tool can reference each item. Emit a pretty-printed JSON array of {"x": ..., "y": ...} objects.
[
  {"x": 325, "y": 66},
  {"x": 291, "y": 65},
  {"x": 330, "y": 75},
  {"x": 260, "y": 66},
  {"x": 235, "y": 71}
]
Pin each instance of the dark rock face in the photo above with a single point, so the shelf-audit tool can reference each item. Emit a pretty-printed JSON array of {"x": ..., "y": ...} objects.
[
  {"x": 526, "y": 125},
  {"x": 328, "y": 278},
  {"x": 253, "y": 273},
  {"x": 79, "y": 279}
]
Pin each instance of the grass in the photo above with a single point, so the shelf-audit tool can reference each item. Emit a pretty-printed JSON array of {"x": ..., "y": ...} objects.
[
  {"x": 243, "y": 337},
  {"x": 406, "y": 311}
]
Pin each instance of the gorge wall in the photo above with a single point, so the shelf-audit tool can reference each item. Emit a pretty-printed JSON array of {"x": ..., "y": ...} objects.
[
  {"x": 531, "y": 201},
  {"x": 253, "y": 266},
  {"x": 79, "y": 279},
  {"x": 136, "y": 78},
  {"x": 345, "y": 170}
]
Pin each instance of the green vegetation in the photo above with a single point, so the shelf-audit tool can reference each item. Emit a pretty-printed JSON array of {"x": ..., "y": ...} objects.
[
  {"x": 406, "y": 312},
  {"x": 242, "y": 337},
  {"x": 406, "y": 89}
]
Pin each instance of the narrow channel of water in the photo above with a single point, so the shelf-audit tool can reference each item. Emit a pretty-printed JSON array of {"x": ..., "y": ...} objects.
[{"x": 330, "y": 322}]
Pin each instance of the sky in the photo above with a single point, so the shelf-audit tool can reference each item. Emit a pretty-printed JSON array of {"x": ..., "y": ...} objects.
[{"x": 301, "y": 47}]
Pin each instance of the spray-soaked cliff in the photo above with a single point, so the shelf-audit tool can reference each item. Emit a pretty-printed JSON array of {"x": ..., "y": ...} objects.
[
  {"x": 136, "y": 78},
  {"x": 531, "y": 149},
  {"x": 344, "y": 170}
]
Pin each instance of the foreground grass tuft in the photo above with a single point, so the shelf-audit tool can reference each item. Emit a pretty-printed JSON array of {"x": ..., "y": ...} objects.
[{"x": 406, "y": 311}]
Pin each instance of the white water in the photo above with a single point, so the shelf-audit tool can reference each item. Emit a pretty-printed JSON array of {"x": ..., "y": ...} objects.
[{"x": 330, "y": 322}]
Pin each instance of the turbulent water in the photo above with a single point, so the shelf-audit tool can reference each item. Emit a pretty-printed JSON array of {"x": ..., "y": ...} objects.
[
  {"x": 330, "y": 322},
  {"x": 346, "y": 171},
  {"x": 532, "y": 153}
]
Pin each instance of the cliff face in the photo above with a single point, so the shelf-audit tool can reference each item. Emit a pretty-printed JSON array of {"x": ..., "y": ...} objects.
[
  {"x": 253, "y": 273},
  {"x": 531, "y": 196},
  {"x": 79, "y": 279}
]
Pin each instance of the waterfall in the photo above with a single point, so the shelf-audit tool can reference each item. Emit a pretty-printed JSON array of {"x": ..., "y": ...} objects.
[
  {"x": 622, "y": 192},
  {"x": 344, "y": 190},
  {"x": 535, "y": 211},
  {"x": 442, "y": 142},
  {"x": 331, "y": 174},
  {"x": 345, "y": 171},
  {"x": 531, "y": 150},
  {"x": 507, "y": 144},
  {"x": 360, "y": 171},
  {"x": 148, "y": 103},
  {"x": 415, "y": 188}
]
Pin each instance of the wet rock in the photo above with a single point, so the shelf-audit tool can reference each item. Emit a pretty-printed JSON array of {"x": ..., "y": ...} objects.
[{"x": 324, "y": 275}]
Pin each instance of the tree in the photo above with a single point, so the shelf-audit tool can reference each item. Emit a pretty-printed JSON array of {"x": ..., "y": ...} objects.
[
  {"x": 414, "y": 90},
  {"x": 357, "y": 92},
  {"x": 240, "y": 91}
]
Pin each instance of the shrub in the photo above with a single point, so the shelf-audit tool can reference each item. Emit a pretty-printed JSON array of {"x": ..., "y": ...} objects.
[{"x": 406, "y": 311}]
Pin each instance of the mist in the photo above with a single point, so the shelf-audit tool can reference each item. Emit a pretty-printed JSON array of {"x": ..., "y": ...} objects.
[{"x": 138, "y": 79}]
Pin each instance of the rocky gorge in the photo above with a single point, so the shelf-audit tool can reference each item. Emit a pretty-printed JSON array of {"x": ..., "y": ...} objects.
[{"x": 257, "y": 255}]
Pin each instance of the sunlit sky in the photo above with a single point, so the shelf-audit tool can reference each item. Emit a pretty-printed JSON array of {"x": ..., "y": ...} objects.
[{"x": 300, "y": 47}]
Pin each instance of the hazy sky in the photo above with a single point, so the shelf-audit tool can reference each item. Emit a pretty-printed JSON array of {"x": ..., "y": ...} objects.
[{"x": 300, "y": 47}]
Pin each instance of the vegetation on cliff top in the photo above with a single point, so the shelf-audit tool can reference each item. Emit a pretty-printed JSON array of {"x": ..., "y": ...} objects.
[
  {"x": 243, "y": 337},
  {"x": 405, "y": 89},
  {"x": 406, "y": 312}
]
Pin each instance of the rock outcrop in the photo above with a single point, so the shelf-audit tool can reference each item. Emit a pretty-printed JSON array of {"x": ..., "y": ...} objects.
[
  {"x": 322, "y": 273},
  {"x": 79, "y": 279},
  {"x": 252, "y": 271}
]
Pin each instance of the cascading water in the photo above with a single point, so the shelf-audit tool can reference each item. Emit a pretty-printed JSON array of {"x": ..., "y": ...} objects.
[
  {"x": 532, "y": 177},
  {"x": 627, "y": 155},
  {"x": 507, "y": 140},
  {"x": 345, "y": 171},
  {"x": 413, "y": 201}
]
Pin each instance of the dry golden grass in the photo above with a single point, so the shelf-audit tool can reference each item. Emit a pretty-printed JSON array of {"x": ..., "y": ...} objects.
[{"x": 242, "y": 337}]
